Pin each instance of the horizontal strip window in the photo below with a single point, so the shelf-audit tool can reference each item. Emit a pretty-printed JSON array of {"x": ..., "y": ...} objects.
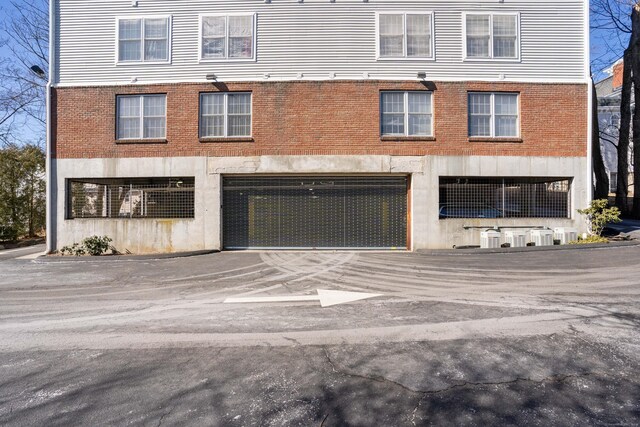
[
  {"x": 225, "y": 115},
  {"x": 406, "y": 113},
  {"x": 131, "y": 198},
  {"x": 469, "y": 197}
]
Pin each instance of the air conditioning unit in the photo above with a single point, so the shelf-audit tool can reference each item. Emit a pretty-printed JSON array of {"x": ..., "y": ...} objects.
[
  {"x": 516, "y": 239},
  {"x": 565, "y": 235},
  {"x": 490, "y": 239},
  {"x": 542, "y": 237}
]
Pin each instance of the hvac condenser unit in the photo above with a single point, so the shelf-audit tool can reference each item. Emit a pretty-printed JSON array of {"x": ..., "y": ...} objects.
[
  {"x": 542, "y": 237},
  {"x": 565, "y": 235},
  {"x": 490, "y": 239},
  {"x": 516, "y": 239}
]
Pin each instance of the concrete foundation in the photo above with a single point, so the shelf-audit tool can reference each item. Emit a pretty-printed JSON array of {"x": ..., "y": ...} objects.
[{"x": 204, "y": 231}]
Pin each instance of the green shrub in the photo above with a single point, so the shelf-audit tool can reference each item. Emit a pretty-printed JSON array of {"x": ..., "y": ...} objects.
[
  {"x": 590, "y": 239},
  {"x": 96, "y": 245},
  {"x": 599, "y": 214}
]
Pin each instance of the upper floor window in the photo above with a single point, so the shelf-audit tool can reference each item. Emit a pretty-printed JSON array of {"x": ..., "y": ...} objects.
[
  {"x": 492, "y": 36},
  {"x": 493, "y": 115},
  {"x": 405, "y": 35},
  {"x": 143, "y": 39},
  {"x": 225, "y": 115},
  {"x": 227, "y": 37},
  {"x": 406, "y": 113},
  {"x": 141, "y": 116}
]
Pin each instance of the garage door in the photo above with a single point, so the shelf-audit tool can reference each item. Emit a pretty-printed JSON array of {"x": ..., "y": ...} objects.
[{"x": 314, "y": 212}]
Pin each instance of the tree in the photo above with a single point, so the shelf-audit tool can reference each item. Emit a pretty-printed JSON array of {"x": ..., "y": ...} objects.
[
  {"x": 24, "y": 34},
  {"x": 621, "y": 19},
  {"x": 22, "y": 188}
]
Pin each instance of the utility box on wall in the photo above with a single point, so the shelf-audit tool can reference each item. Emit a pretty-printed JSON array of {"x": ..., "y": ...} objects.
[
  {"x": 490, "y": 239},
  {"x": 542, "y": 237}
]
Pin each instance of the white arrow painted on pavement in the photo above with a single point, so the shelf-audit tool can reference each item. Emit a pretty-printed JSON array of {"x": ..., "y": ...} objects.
[{"x": 327, "y": 298}]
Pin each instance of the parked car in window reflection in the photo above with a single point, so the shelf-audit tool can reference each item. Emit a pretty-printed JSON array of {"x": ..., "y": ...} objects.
[{"x": 468, "y": 211}]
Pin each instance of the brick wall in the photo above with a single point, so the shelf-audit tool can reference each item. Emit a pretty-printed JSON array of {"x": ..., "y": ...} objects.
[{"x": 336, "y": 117}]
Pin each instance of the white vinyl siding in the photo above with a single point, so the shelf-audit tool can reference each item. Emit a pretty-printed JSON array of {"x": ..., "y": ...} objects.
[
  {"x": 405, "y": 35},
  {"x": 491, "y": 36},
  {"x": 141, "y": 117},
  {"x": 406, "y": 113},
  {"x": 143, "y": 40},
  {"x": 227, "y": 37},
  {"x": 317, "y": 38},
  {"x": 494, "y": 115},
  {"x": 225, "y": 115}
]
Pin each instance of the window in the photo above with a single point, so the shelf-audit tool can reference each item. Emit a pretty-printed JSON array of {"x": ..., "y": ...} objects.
[
  {"x": 227, "y": 37},
  {"x": 405, "y": 35},
  {"x": 406, "y": 113},
  {"x": 225, "y": 115},
  {"x": 493, "y": 115},
  {"x": 143, "y": 39},
  {"x": 613, "y": 182},
  {"x": 470, "y": 197},
  {"x": 131, "y": 198},
  {"x": 492, "y": 36},
  {"x": 141, "y": 116}
]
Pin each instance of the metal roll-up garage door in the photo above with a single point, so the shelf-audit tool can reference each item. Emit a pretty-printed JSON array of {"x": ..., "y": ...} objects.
[{"x": 314, "y": 212}]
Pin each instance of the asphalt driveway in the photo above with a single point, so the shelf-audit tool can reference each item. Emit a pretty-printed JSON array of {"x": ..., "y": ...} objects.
[{"x": 533, "y": 338}]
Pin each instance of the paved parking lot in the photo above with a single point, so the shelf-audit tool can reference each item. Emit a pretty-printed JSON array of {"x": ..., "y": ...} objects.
[{"x": 537, "y": 338}]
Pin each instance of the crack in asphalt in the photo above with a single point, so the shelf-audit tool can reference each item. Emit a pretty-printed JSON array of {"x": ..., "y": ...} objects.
[
  {"x": 163, "y": 417},
  {"x": 381, "y": 379}
]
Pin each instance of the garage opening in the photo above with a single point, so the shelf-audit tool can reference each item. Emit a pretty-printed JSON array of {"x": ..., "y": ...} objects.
[{"x": 315, "y": 212}]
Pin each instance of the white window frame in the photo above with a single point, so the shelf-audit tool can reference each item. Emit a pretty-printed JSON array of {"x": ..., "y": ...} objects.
[
  {"x": 406, "y": 114},
  {"x": 490, "y": 57},
  {"x": 226, "y": 44},
  {"x": 404, "y": 56},
  {"x": 225, "y": 115},
  {"x": 493, "y": 115},
  {"x": 141, "y": 118},
  {"x": 169, "y": 19}
]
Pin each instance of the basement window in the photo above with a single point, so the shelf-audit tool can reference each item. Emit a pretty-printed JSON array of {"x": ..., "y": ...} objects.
[
  {"x": 469, "y": 197},
  {"x": 131, "y": 198}
]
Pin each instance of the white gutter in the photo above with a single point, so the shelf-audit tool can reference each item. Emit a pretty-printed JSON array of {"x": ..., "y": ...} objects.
[
  {"x": 587, "y": 70},
  {"x": 51, "y": 176}
]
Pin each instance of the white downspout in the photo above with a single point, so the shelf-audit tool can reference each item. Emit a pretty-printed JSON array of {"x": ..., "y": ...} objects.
[{"x": 50, "y": 209}]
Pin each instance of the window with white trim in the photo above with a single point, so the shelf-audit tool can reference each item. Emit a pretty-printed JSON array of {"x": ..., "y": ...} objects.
[
  {"x": 143, "y": 39},
  {"x": 141, "y": 117},
  {"x": 493, "y": 115},
  {"x": 492, "y": 36},
  {"x": 405, "y": 35},
  {"x": 406, "y": 113},
  {"x": 227, "y": 37},
  {"x": 225, "y": 115}
]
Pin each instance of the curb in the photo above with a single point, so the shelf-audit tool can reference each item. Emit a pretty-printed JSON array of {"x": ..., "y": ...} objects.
[
  {"x": 45, "y": 259},
  {"x": 578, "y": 247}
]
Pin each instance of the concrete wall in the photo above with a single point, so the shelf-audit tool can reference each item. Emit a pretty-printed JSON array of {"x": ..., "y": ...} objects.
[{"x": 203, "y": 232}]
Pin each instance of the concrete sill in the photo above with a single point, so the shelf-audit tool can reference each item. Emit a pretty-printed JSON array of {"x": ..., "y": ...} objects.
[
  {"x": 485, "y": 139},
  {"x": 227, "y": 139},
  {"x": 407, "y": 138},
  {"x": 141, "y": 141}
]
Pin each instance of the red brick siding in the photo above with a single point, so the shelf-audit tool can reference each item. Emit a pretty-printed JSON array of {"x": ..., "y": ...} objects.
[{"x": 337, "y": 117}]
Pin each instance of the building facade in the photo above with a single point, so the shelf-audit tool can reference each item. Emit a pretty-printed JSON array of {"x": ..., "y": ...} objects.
[{"x": 394, "y": 124}]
